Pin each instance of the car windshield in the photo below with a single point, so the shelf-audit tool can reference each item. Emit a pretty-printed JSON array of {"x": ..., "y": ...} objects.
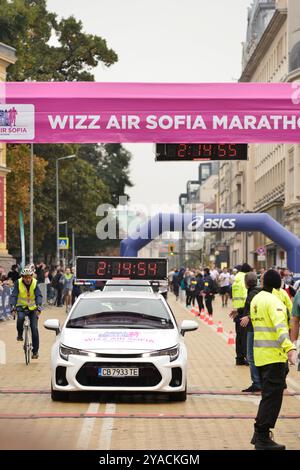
[
  {"x": 120, "y": 313},
  {"x": 127, "y": 288}
]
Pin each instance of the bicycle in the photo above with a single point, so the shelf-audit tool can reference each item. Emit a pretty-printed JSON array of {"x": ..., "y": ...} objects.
[
  {"x": 27, "y": 345},
  {"x": 27, "y": 338}
]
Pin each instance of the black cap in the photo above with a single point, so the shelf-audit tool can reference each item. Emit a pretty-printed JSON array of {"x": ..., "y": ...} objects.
[
  {"x": 272, "y": 279},
  {"x": 246, "y": 268}
]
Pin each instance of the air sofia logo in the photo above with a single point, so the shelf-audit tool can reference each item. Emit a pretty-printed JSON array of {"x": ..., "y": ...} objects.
[{"x": 16, "y": 122}]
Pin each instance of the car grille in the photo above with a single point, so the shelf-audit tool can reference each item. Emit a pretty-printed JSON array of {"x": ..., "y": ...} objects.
[{"x": 87, "y": 375}]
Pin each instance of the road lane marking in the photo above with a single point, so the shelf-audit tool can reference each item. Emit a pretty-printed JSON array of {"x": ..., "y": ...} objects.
[
  {"x": 109, "y": 416},
  {"x": 87, "y": 428},
  {"x": 107, "y": 428}
]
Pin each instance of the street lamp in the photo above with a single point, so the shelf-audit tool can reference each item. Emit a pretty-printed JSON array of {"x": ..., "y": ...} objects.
[
  {"x": 57, "y": 206},
  {"x": 183, "y": 198}
]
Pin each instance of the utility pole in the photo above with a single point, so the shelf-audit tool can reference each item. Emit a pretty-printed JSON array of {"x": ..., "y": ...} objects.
[
  {"x": 57, "y": 206},
  {"x": 31, "y": 207},
  {"x": 73, "y": 247}
]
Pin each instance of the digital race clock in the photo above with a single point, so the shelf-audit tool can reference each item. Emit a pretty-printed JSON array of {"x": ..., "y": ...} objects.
[
  {"x": 106, "y": 267},
  {"x": 199, "y": 152}
]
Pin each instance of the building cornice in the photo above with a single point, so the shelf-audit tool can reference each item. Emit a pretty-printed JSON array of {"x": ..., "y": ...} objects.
[
  {"x": 7, "y": 53},
  {"x": 4, "y": 170},
  {"x": 263, "y": 44},
  {"x": 293, "y": 76}
]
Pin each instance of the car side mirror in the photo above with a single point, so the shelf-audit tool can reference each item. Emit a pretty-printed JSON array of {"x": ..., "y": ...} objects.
[
  {"x": 188, "y": 325},
  {"x": 52, "y": 324}
]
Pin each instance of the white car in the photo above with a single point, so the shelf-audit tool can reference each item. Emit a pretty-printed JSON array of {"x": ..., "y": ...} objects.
[
  {"x": 127, "y": 285},
  {"x": 114, "y": 341}
]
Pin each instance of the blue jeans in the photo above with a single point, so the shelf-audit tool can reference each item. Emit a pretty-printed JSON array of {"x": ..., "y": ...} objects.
[
  {"x": 250, "y": 358},
  {"x": 34, "y": 328}
]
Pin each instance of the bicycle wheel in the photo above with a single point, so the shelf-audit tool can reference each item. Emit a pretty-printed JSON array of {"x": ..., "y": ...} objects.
[{"x": 27, "y": 344}]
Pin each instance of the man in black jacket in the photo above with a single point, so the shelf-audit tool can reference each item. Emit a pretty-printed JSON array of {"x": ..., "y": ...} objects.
[
  {"x": 253, "y": 289},
  {"x": 208, "y": 285},
  {"x": 14, "y": 273}
]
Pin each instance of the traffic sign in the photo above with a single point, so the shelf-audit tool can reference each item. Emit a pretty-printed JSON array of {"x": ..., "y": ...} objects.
[
  {"x": 261, "y": 258},
  {"x": 261, "y": 250},
  {"x": 63, "y": 243}
]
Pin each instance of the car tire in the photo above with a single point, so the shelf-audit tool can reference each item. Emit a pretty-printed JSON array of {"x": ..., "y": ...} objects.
[
  {"x": 57, "y": 395},
  {"x": 179, "y": 396}
]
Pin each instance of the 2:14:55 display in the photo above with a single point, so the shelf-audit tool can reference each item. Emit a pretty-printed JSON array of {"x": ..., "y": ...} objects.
[{"x": 126, "y": 268}]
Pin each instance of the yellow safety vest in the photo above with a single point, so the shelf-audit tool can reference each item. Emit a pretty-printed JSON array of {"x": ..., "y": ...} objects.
[
  {"x": 271, "y": 335},
  {"x": 284, "y": 297},
  {"x": 239, "y": 291},
  {"x": 26, "y": 298}
]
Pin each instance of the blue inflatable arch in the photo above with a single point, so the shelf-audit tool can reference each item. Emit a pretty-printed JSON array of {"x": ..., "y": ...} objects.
[{"x": 215, "y": 223}]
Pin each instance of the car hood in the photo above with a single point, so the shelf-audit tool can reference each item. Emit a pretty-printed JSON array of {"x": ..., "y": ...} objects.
[{"x": 119, "y": 339}]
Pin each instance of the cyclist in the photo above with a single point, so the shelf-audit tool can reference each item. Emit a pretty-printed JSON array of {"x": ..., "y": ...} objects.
[{"x": 26, "y": 295}]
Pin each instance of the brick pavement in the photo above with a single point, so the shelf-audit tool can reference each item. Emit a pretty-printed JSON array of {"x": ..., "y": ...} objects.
[{"x": 215, "y": 416}]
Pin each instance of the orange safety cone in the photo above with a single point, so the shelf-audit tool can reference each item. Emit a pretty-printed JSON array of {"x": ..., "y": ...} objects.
[
  {"x": 231, "y": 338},
  {"x": 202, "y": 316},
  {"x": 220, "y": 327},
  {"x": 193, "y": 311},
  {"x": 206, "y": 318},
  {"x": 210, "y": 320}
]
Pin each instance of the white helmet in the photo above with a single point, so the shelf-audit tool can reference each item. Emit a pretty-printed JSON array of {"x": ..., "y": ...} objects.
[{"x": 27, "y": 271}]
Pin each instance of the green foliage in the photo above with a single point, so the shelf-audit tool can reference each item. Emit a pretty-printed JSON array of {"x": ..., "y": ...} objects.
[
  {"x": 18, "y": 160},
  {"x": 32, "y": 30},
  {"x": 111, "y": 162},
  {"x": 49, "y": 49}
]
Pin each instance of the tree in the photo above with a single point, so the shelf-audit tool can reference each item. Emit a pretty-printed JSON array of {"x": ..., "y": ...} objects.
[
  {"x": 80, "y": 193},
  {"x": 49, "y": 49},
  {"x": 112, "y": 165},
  {"x": 18, "y": 187},
  {"x": 28, "y": 26}
]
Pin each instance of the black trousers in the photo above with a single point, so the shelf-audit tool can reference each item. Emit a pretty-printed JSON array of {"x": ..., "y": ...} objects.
[
  {"x": 241, "y": 339},
  {"x": 208, "y": 304},
  {"x": 188, "y": 296},
  {"x": 272, "y": 379},
  {"x": 199, "y": 299}
]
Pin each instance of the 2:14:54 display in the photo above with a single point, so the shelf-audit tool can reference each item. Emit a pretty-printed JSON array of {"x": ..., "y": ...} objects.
[{"x": 126, "y": 268}]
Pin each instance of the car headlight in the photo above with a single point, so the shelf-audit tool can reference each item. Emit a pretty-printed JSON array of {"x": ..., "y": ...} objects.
[
  {"x": 173, "y": 353},
  {"x": 65, "y": 351}
]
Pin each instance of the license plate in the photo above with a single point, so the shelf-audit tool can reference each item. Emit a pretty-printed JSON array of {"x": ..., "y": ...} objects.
[{"x": 118, "y": 372}]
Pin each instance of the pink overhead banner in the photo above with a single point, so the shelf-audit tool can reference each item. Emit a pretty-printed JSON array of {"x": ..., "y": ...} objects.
[{"x": 87, "y": 112}]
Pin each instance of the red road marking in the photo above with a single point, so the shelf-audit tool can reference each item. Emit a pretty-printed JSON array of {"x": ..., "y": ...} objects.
[{"x": 135, "y": 416}]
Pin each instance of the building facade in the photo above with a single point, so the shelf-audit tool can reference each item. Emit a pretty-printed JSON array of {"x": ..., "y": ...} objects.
[
  {"x": 268, "y": 181},
  {"x": 7, "y": 57}
]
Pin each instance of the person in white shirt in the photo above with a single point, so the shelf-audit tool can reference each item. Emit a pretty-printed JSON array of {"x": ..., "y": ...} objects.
[
  {"x": 224, "y": 280},
  {"x": 214, "y": 274}
]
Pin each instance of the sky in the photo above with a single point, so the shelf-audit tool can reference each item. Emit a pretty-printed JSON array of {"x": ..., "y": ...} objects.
[{"x": 163, "y": 41}]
